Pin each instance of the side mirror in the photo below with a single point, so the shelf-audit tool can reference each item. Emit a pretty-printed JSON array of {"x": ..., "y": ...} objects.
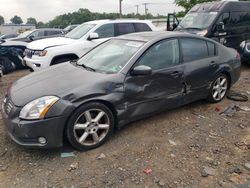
[
  {"x": 220, "y": 27},
  {"x": 141, "y": 70},
  {"x": 31, "y": 37},
  {"x": 93, "y": 36}
]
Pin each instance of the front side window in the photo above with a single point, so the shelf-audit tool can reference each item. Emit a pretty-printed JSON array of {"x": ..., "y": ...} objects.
[
  {"x": 193, "y": 49},
  {"x": 125, "y": 28},
  {"x": 106, "y": 31},
  {"x": 111, "y": 56},
  {"x": 161, "y": 55},
  {"x": 197, "y": 20}
]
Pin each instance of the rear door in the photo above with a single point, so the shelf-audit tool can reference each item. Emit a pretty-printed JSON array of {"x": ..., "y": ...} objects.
[
  {"x": 163, "y": 88},
  {"x": 201, "y": 61}
]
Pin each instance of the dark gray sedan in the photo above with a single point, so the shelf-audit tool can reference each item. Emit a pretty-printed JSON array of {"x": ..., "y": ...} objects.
[{"x": 122, "y": 80}]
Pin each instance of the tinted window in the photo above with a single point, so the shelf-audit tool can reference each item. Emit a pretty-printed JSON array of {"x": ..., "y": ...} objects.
[
  {"x": 52, "y": 32},
  {"x": 162, "y": 55},
  {"x": 193, "y": 49},
  {"x": 141, "y": 27},
  {"x": 211, "y": 49},
  {"x": 125, "y": 28},
  {"x": 105, "y": 31},
  {"x": 239, "y": 18}
]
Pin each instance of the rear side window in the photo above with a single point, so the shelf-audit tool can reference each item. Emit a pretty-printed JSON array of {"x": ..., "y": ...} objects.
[
  {"x": 125, "y": 28},
  {"x": 211, "y": 49},
  {"x": 106, "y": 31},
  {"x": 139, "y": 27},
  {"x": 193, "y": 49}
]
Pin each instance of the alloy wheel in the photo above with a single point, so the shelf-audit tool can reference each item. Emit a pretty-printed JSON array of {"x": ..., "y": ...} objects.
[
  {"x": 91, "y": 127},
  {"x": 219, "y": 88}
]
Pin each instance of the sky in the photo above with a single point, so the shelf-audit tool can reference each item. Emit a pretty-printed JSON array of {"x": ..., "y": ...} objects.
[{"x": 47, "y": 9}]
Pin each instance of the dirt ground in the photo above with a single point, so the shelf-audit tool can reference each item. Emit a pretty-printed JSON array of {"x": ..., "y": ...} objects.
[{"x": 192, "y": 147}]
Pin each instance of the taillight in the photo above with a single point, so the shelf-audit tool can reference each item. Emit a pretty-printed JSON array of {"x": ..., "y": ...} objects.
[{"x": 237, "y": 55}]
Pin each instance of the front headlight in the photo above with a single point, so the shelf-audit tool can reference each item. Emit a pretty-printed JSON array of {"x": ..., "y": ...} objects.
[
  {"x": 38, "y": 108},
  {"x": 202, "y": 33},
  {"x": 40, "y": 52}
]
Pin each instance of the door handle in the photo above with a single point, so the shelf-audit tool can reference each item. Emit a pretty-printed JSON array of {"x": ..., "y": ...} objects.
[
  {"x": 212, "y": 62},
  {"x": 175, "y": 73}
]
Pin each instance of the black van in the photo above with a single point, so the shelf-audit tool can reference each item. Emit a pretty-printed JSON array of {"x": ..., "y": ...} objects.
[{"x": 225, "y": 21}]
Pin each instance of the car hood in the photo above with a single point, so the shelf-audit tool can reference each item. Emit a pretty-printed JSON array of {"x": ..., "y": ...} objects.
[
  {"x": 65, "y": 80},
  {"x": 50, "y": 42},
  {"x": 13, "y": 43}
]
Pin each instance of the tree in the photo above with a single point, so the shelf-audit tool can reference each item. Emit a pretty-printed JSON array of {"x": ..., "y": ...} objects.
[
  {"x": 31, "y": 21},
  {"x": 188, "y": 4},
  {"x": 16, "y": 20},
  {"x": 41, "y": 25},
  {"x": 1, "y": 20}
]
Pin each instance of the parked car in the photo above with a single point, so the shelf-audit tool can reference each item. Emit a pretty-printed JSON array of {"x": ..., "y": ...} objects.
[
  {"x": 37, "y": 34},
  {"x": 224, "y": 21},
  {"x": 12, "y": 50},
  {"x": 8, "y": 36},
  {"x": 11, "y": 55},
  {"x": 119, "y": 81},
  {"x": 245, "y": 51},
  {"x": 70, "y": 28},
  {"x": 44, "y": 53}
]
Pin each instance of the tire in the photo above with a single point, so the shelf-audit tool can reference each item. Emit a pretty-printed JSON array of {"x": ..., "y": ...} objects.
[
  {"x": 60, "y": 60},
  {"x": 90, "y": 126},
  {"x": 219, "y": 88}
]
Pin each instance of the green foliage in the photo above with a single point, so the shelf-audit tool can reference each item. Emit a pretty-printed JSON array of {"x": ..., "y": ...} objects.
[
  {"x": 1, "y": 20},
  {"x": 188, "y": 4},
  {"x": 41, "y": 25},
  {"x": 84, "y": 15},
  {"x": 31, "y": 21},
  {"x": 16, "y": 20}
]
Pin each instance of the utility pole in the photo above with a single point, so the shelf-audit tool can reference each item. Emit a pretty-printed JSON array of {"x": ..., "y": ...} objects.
[
  {"x": 137, "y": 9},
  {"x": 120, "y": 7},
  {"x": 146, "y": 9}
]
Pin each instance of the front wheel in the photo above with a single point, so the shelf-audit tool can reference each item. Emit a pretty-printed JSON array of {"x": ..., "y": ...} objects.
[
  {"x": 218, "y": 89},
  {"x": 90, "y": 126}
]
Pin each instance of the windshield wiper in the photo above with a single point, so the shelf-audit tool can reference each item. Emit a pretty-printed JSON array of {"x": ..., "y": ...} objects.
[
  {"x": 87, "y": 67},
  {"x": 193, "y": 28}
]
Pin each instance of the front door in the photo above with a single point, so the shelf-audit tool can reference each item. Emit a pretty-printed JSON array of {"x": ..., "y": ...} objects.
[{"x": 163, "y": 88}]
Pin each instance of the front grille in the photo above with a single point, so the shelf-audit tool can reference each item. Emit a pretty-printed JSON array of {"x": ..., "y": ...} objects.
[
  {"x": 29, "y": 53},
  {"x": 8, "y": 106}
]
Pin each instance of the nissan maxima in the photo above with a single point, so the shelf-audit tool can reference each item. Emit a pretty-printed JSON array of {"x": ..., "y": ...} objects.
[{"x": 119, "y": 81}]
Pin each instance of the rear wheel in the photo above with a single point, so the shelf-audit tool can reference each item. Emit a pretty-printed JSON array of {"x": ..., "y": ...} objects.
[
  {"x": 90, "y": 126},
  {"x": 219, "y": 88}
]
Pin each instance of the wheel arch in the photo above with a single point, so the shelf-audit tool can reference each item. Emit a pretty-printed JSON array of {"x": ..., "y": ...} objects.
[
  {"x": 106, "y": 103},
  {"x": 70, "y": 56}
]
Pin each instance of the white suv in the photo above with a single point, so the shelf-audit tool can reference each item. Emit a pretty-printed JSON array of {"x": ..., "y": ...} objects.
[{"x": 46, "y": 52}]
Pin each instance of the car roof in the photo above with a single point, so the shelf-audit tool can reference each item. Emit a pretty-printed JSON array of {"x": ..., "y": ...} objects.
[
  {"x": 117, "y": 21},
  {"x": 50, "y": 29},
  {"x": 157, "y": 35}
]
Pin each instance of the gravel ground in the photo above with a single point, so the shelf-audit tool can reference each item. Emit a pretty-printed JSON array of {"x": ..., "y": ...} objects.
[{"x": 192, "y": 147}]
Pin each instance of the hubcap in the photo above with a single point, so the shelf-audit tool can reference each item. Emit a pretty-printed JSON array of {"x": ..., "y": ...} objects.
[
  {"x": 219, "y": 88},
  {"x": 91, "y": 127}
]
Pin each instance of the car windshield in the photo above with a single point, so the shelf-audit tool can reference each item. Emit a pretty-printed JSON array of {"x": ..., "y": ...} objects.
[
  {"x": 24, "y": 34},
  {"x": 111, "y": 56},
  {"x": 197, "y": 20},
  {"x": 79, "y": 31}
]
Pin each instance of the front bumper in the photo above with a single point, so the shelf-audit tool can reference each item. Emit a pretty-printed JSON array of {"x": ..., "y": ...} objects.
[
  {"x": 26, "y": 133},
  {"x": 37, "y": 64}
]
